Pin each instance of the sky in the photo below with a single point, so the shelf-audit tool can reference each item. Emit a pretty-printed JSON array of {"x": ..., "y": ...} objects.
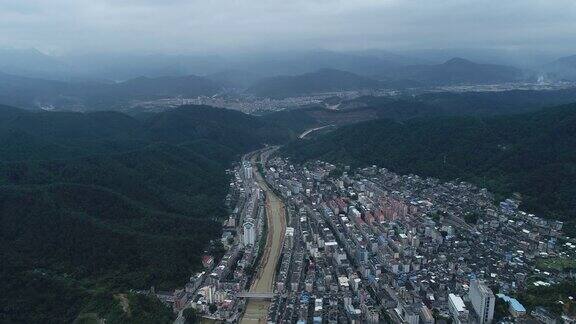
[{"x": 186, "y": 26}]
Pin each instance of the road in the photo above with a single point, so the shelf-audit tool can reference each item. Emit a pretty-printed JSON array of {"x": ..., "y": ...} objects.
[
  {"x": 305, "y": 133},
  {"x": 257, "y": 310}
]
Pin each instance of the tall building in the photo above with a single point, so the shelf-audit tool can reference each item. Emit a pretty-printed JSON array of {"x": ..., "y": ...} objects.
[
  {"x": 426, "y": 316},
  {"x": 457, "y": 309},
  {"x": 249, "y": 232},
  {"x": 247, "y": 170},
  {"x": 483, "y": 300}
]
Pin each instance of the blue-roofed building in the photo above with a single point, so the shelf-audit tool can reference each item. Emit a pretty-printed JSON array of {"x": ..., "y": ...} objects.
[
  {"x": 514, "y": 306},
  {"x": 516, "y": 309},
  {"x": 304, "y": 298}
]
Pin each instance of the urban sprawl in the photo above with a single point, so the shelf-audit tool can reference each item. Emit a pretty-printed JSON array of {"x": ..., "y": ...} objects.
[{"x": 370, "y": 246}]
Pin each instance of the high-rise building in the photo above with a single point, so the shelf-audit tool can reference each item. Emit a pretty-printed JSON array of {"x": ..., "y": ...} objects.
[
  {"x": 247, "y": 170},
  {"x": 483, "y": 300},
  {"x": 249, "y": 232},
  {"x": 457, "y": 309}
]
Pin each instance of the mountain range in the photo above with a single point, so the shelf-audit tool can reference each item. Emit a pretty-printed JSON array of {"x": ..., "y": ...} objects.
[
  {"x": 34, "y": 93},
  {"x": 121, "y": 67},
  {"x": 281, "y": 76},
  {"x": 325, "y": 80},
  {"x": 455, "y": 71}
]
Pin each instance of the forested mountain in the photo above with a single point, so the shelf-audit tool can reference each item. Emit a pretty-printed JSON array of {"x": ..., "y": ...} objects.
[
  {"x": 532, "y": 153},
  {"x": 454, "y": 71},
  {"x": 34, "y": 93},
  {"x": 324, "y": 80},
  {"x": 96, "y": 204}
]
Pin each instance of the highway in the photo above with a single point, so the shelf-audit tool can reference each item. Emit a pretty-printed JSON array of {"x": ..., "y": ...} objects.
[{"x": 257, "y": 310}]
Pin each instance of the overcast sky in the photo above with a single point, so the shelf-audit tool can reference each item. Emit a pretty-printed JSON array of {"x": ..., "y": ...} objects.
[{"x": 183, "y": 26}]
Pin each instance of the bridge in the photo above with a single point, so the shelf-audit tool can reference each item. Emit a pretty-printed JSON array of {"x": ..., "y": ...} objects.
[{"x": 256, "y": 295}]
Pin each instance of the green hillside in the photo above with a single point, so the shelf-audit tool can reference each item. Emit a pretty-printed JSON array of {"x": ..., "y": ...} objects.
[
  {"x": 533, "y": 153},
  {"x": 95, "y": 204}
]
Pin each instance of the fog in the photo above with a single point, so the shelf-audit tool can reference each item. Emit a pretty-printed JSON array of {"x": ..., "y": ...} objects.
[{"x": 240, "y": 26}]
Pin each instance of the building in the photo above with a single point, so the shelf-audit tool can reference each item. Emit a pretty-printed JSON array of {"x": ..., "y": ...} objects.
[
  {"x": 426, "y": 316},
  {"x": 249, "y": 232},
  {"x": 247, "y": 170},
  {"x": 482, "y": 300},
  {"x": 362, "y": 254},
  {"x": 514, "y": 306},
  {"x": 457, "y": 309},
  {"x": 543, "y": 316}
]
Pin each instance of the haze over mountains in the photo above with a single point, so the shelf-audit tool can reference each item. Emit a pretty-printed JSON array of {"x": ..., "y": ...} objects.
[
  {"x": 456, "y": 71},
  {"x": 325, "y": 80},
  {"x": 564, "y": 68},
  {"x": 33, "y": 80},
  {"x": 121, "y": 67},
  {"x": 36, "y": 93}
]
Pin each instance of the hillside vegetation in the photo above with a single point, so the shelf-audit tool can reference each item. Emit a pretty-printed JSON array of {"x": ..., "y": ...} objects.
[
  {"x": 424, "y": 105},
  {"x": 96, "y": 204}
]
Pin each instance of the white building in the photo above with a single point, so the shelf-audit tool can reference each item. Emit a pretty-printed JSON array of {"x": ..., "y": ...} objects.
[
  {"x": 247, "y": 170},
  {"x": 457, "y": 309},
  {"x": 483, "y": 300},
  {"x": 249, "y": 232}
]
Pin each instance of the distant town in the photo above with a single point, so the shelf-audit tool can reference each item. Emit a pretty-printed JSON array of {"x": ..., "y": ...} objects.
[{"x": 251, "y": 104}]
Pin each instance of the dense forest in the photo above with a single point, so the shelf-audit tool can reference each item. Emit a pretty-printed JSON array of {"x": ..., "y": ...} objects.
[
  {"x": 533, "y": 153},
  {"x": 95, "y": 204}
]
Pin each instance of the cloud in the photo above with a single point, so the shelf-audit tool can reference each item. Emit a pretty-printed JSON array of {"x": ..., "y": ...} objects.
[{"x": 231, "y": 25}]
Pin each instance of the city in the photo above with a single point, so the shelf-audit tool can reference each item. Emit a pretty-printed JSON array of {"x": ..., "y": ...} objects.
[
  {"x": 251, "y": 104},
  {"x": 371, "y": 246}
]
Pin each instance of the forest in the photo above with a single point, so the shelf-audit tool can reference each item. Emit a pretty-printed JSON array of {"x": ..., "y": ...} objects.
[{"x": 93, "y": 205}]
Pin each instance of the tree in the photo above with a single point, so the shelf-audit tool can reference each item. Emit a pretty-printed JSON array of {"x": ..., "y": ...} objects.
[
  {"x": 500, "y": 309},
  {"x": 190, "y": 315},
  {"x": 471, "y": 218}
]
